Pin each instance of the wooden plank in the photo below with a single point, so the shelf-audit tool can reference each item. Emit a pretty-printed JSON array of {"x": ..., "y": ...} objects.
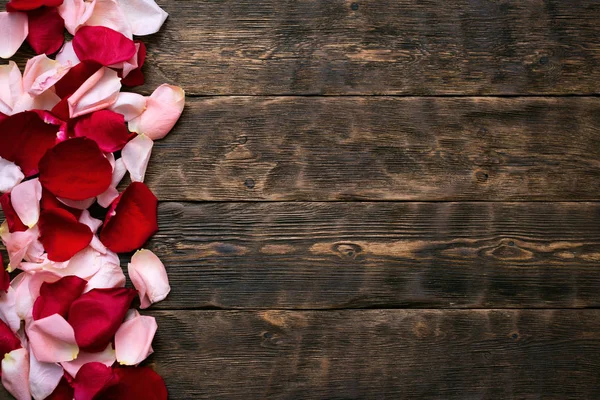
[
  {"x": 381, "y": 148},
  {"x": 380, "y": 354},
  {"x": 367, "y": 255},
  {"x": 417, "y": 47}
]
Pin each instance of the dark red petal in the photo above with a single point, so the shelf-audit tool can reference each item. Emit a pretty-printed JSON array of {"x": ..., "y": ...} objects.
[
  {"x": 97, "y": 314},
  {"x": 136, "y": 383},
  {"x": 4, "y": 277},
  {"x": 12, "y": 219},
  {"x": 3, "y": 117},
  {"x": 134, "y": 220},
  {"x": 26, "y": 5},
  {"x": 57, "y": 297},
  {"x": 107, "y": 128},
  {"x": 92, "y": 379},
  {"x": 75, "y": 78},
  {"x": 102, "y": 45},
  {"x": 8, "y": 340},
  {"x": 62, "y": 235},
  {"x": 24, "y": 139},
  {"x": 63, "y": 391},
  {"x": 50, "y": 202},
  {"x": 136, "y": 77},
  {"x": 75, "y": 169},
  {"x": 46, "y": 30}
]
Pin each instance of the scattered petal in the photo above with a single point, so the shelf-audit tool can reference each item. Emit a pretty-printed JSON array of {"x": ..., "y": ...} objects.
[
  {"x": 163, "y": 109},
  {"x": 102, "y": 45},
  {"x": 100, "y": 91},
  {"x": 15, "y": 374},
  {"x": 57, "y": 297},
  {"x": 107, "y": 128},
  {"x": 46, "y": 30},
  {"x": 43, "y": 377},
  {"x": 52, "y": 339},
  {"x": 10, "y": 175},
  {"x": 18, "y": 245},
  {"x": 136, "y": 155},
  {"x": 130, "y": 105},
  {"x": 25, "y": 198},
  {"x": 148, "y": 275},
  {"x": 136, "y": 383},
  {"x": 14, "y": 28},
  {"x": 109, "y": 14},
  {"x": 109, "y": 276},
  {"x": 8, "y": 309},
  {"x": 106, "y": 357},
  {"x": 50, "y": 202},
  {"x": 76, "y": 77},
  {"x": 41, "y": 73},
  {"x": 62, "y": 235},
  {"x": 76, "y": 13},
  {"x": 67, "y": 55},
  {"x": 145, "y": 16},
  {"x": 11, "y": 87},
  {"x": 133, "y": 340},
  {"x": 92, "y": 379}
]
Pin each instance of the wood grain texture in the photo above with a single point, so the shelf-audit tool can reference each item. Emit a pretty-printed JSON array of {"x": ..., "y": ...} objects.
[
  {"x": 381, "y": 148},
  {"x": 357, "y": 255},
  {"x": 380, "y": 354}
]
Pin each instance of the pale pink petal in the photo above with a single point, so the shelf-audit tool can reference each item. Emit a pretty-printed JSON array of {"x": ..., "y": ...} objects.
[
  {"x": 83, "y": 264},
  {"x": 11, "y": 87},
  {"x": 52, "y": 339},
  {"x": 109, "y": 275},
  {"x": 119, "y": 170},
  {"x": 108, "y": 13},
  {"x": 106, "y": 357},
  {"x": 23, "y": 299},
  {"x": 8, "y": 309},
  {"x": 133, "y": 340},
  {"x": 163, "y": 109},
  {"x": 25, "y": 199},
  {"x": 91, "y": 222},
  {"x": 145, "y": 16},
  {"x": 76, "y": 13},
  {"x": 136, "y": 155},
  {"x": 100, "y": 91},
  {"x": 67, "y": 54},
  {"x": 130, "y": 105},
  {"x": 10, "y": 175},
  {"x": 14, "y": 28},
  {"x": 15, "y": 373},
  {"x": 18, "y": 244},
  {"x": 131, "y": 314},
  {"x": 41, "y": 73},
  {"x": 148, "y": 275},
  {"x": 78, "y": 204},
  {"x": 46, "y": 101},
  {"x": 106, "y": 198},
  {"x": 43, "y": 377}
]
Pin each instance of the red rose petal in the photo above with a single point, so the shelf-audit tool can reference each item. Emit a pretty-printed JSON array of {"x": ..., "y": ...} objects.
[
  {"x": 46, "y": 30},
  {"x": 4, "y": 277},
  {"x": 92, "y": 379},
  {"x": 134, "y": 220},
  {"x": 75, "y": 78},
  {"x": 136, "y": 77},
  {"x": 50, "y": 202},
  {"x": 57, "y": 297},
  {"x": 8, "y": 340},
  {"x": 107, "y": 128},
  {"x": 97, "y": 314},
  {"x": 26, "y": 5},
  {"x": 136, "y": 383},
  {"x": 102, "y": 45},
  {"x": 3, "y": 117},
  {"x": 25, "y": 139},
  {"x": 75, "y": 169},
  {"x": 12, "y": 219},
  {"x": 63, "y": 391},
  {"x": 62, "y": 235}
]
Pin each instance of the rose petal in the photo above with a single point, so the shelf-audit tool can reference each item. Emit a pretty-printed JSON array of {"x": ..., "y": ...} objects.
[
  {"x": 18, "y": 245},
  {"x": 56, "y": 298},
  {"x": 12, "y": 220},
  {"x": 46, "y": 30},
  {"x": 41, "y": 73},
  {"x": 133, "y": 340},
  {"x": 92, "y": 379},
  {"x": 52, "y": 339},
  {"x": 145, "y": 16},
  {"x": 25, "y": 139},
  {"x": 8, "y": 340},
  {"x": 130, "y": 105},
  {"x": 76, "y": 77},
  {"x": 76, "y": 13},
  {"x": 63, "y": 391},
  {"x": 43, "y": 377},
  {"x": 75, "y": 169},
  {"x": 67, "y": 55},
  {"x": 136, "y": 155},
  {"x": 102, "y": 45},
  {"x": 8, "y": 309},
  {"x": 26, "y": 5},
  {"x": 10, "y": 175},
  {"x": 106, "y": 198},
  {"x": 15, "y": 374},
  {"x": 106, "y": 357},
  {"x": 136, "y": 383},
  {"x": 11, "y": 87},
  {"x": 163, "y": 109},
  {"x": 148, "y": 275},
  {"x": 13, "y": 31},
  {"x": 134, "y": 220},
  {"x": 97, "y": 315},
  {"x": 25, "y": 198},
  {"x": 109, "y": 14},
  {"x": 100, "y": 91},
  {"x": 107, "y": 128},
  {"x": 50, "y": 202},
  {"x": 62, "y": 235},
  {"x": 136, "y": 76}
]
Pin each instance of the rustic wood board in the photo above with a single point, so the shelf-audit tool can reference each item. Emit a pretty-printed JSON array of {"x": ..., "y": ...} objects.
[{"x": 381, "y": 148}]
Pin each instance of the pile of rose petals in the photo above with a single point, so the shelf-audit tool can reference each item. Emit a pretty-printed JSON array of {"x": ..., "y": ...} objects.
[{"x": 68, "y": 137}]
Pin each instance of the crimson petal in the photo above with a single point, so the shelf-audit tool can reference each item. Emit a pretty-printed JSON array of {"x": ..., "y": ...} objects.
[
  {"x": 136, "y": 77},
  {"x": 46, "y": 30},
  {"x": 134, "y": 220},
  {"x": 75, "y": 169},
  {"x": 50, "y": 202},
  {"x": 12, "y": 219},
  {"x": 102, "y": 45},
  {"x": 75, "y": 78},
  {"x": 63, "y": 391},
  {"x": 8, "y": 340},
  {"x": 26, "y": 5},
  {"x": 62, "y": 235},
  {"x": 25, "y": 139},
  {"x": 4, "y": 277},
  {"x": 92, "y": 379},
  {"x": 97, "y": 315},
  {"x": 107, "y": 128},
  {"x": 136, "y": 383},
  {"x": 57, "y": 297}
]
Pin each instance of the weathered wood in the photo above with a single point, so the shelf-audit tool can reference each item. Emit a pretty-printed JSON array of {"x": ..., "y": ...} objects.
[
  {"x": 357, "y": 255},
  {"x": 380, "y": 354},
  {"x": 381, "y": 148}
]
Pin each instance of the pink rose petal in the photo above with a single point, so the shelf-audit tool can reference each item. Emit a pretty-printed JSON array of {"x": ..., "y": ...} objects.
[
  {"x": 41, "y": 73},
  {"x": 145, "y": 16},
  {"x": 14, "y": 28},
  {"x": 97, "y": 93},
  {"x": 18, "y": 244},
  {"x": 108, "y": 13},
  {"x": 163, "y": 109},
  {"x": 106, "y": 198},
  {"x": 52, "y": 339},
  {"x": 133, "y": 340},
  {"x": 11, "y": 87},
  {"x": 136, "y": 155},
  {"x": 43, "y": 377},
  {"x": 148, "y": 275},
  {"x": 109, "y": 276},
  {"x": 76, "y": 13},
  {"x": 67, "y": 55},
  {"x": 10, "y": 175},
  {"x": 15, "y": 373},
  {"x": 130, "y": 105},
  {"x": 25, "y": 198},
  {"x": 8, "y": 309}
]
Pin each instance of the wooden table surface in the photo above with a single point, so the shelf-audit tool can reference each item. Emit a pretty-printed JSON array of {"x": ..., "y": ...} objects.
[{"x": 380, "y": 199}]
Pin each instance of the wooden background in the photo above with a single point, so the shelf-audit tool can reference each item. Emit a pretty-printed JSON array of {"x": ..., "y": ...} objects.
[{"x": 380, "y": 199}]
